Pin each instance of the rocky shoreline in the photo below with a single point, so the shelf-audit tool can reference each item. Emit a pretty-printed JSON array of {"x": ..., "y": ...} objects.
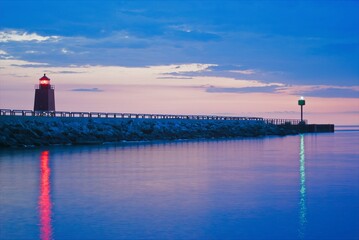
[{"x": 22, "y": 131}]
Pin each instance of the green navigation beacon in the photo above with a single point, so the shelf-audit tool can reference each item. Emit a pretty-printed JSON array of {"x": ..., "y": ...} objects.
[{"x": 301, "y": 103}]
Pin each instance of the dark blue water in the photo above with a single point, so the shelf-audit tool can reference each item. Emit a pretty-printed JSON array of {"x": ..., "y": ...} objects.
[{"x": 295, "y": 187}]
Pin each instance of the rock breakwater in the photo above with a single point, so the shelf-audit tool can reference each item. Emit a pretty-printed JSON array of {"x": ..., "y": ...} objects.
[{"x": 23, "y": 131}]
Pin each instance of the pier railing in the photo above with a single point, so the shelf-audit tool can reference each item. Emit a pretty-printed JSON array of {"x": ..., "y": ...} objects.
[{"x": 10, "y": 112}]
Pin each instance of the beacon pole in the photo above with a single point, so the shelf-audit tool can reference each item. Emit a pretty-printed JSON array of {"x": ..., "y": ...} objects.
[{"x": 301, "y": 103}]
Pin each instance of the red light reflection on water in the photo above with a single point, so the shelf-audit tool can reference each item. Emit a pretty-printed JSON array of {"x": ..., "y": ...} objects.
[{"x": 44, "y": 198}]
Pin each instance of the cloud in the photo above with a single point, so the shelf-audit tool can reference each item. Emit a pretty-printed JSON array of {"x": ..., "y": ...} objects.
[
  {"x": 30, "y": 65},
  {"x": 235, "y": 72},
  {"x": 18, "y": 64},
  {"x": 182, "y": 28},
  {"x": 350, "y": 112},
  {"x": 64, "y": 72},
  {"x": 192, "y": 75},
  {"x": 261, "y": 89},
  {"x": 21, "y": 36},
  {"x": 193, "y": 36},
  {"x": 182, "y": 69},
  {"x": 19, "y": 75},
  {"x": 5, "y": 55},
  {"x": 283, "y": 112},
  {"x": 325, "y": 91},
  {"x": 174, "y": 78},
  {"x": 33, "y": 52},
  {"x": 334, "y": 93},
  {"x": 66, "y": 51},
  {"x": 190, "y": 33},
  {"x": 245, "y": 72},
  {"x": 87, "y": 90},
  {"x": 322, "y": 91},
  {"x": 116, "y": 40},
  {"x": 232, "y": 69}
]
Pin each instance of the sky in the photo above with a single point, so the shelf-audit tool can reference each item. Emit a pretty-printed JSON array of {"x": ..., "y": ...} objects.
[{"x": 236, "y": 58}]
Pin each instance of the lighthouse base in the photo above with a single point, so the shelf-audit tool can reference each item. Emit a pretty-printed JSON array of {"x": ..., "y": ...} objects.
[{"x": 44, "y": 100}]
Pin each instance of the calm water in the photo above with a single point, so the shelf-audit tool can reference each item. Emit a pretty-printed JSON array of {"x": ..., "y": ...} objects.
[{"x": 295, "y": 187}]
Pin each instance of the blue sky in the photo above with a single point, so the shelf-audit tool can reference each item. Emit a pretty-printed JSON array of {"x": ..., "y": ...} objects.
[
  {"x": 313, "y": 45},
  {"x": 305, "y": 41}
]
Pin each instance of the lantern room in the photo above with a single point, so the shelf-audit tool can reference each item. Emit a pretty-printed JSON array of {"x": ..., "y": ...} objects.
[
  {"x": 44, "y": 81},
  {"x": 301, "y": 101}
]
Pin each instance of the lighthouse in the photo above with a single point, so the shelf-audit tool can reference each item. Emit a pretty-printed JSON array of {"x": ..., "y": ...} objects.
[{"x": 44, "y": 95}]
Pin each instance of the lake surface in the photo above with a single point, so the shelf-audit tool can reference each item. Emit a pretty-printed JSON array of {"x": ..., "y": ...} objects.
[{"x": 294, "y": 187}]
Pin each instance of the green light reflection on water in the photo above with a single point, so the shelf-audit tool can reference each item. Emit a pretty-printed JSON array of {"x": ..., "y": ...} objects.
[{"x": 302, "y": 202}]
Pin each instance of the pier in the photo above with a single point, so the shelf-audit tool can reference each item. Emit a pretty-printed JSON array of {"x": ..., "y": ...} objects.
[
  {"x": 42, "y": 128},
  {"x": 275, "y": 121}
]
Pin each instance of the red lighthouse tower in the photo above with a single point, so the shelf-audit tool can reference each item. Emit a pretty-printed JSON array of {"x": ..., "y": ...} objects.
[{"x": 44, "y": 95}]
